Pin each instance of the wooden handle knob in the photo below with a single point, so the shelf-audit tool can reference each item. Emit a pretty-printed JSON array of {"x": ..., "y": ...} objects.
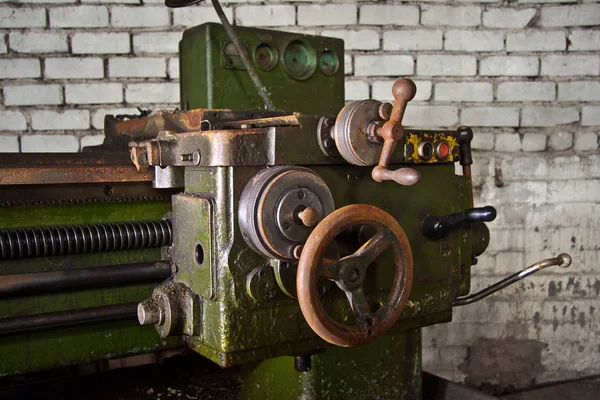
[{"x": 402, "y": 176}]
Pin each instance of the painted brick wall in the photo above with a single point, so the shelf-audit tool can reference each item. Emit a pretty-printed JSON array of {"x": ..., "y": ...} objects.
[{"x": 523, "y": 73}]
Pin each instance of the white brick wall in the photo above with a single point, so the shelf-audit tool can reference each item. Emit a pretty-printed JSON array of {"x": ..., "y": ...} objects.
[{"x": 523, "y": 73}]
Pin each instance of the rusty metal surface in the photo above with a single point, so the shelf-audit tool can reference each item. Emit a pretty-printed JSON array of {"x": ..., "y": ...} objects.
[
  {"x": 370, "y": 325},
  {"x": 42, "y": 169},
  {"x": 180, "y": 121},
  {"x": 19, "y": 195}
]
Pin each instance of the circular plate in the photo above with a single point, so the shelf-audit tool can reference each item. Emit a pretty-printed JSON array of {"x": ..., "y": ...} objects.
[
  {"x": 269, "y": 205},
  {"x": 350, "y": 132}
]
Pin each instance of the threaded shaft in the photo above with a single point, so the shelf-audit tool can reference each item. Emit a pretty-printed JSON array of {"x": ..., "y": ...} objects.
[{"x": 72, "y": 239}]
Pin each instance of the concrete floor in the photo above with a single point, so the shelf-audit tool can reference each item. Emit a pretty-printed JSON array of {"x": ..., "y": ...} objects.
[{"x": 584, "y": 389}]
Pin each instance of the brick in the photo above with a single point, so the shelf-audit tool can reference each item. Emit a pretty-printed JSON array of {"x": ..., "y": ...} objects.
[
  {"x": 98, "y": 115},
  {"x": 383, "y": 65},
  {"x": 156, "y": 42},
  {"x": 93, "y": 93},
  {"x": 559, "y": 65},
  {"x": 382, "y": 90},
  {"x": 356, "y": 90},
  {"x": 490, "y": 116},
  {"x": 22, "y": 17},
  {"x": 587, "y": 141},
  {"x": 526, "y": 91},
  {"x": 509, "y": 66},
  {"x": 29, "y": 95},
  {"x": 518, "y": 192},
  {"x": 79, "y": 17},
  {"x": 451, "y": 16},
  {"x": 508, "y": 142},
  {"x": 74, "y": 68},
  {"x": 464, "y": 91},
  {"x": 12, "y": 68},
  {"x": 101, "y": 43},
  {"x": 576, "y": 15},
  {"x": 325, "y": 15},
  {"x": 590, "y": 115},
  {"x": 536, "y": 41},
  {"x": 139, "y": 67},
  {"x": 34, "y": 42},
  {"x": 364, "y": 39},
  {"x": 91, "y": 140},
  {"x": 275, "y": 15},
  {"x": 579, "y": 91},
  {"x": 584, "y": 40},
  {"x": 422, "y": 115},
  {"x": 573, "y": 191},
  {"x": 508, "y": 17},
  {"x": 49, "y": 144},
  {"x": 173, "y": 68},
  {"x": 348, "y": 64},
  {"x": 152, "y": 93},
  {"x": 560, "y": 140},
  {"x": 376, "y": 14},
  {"x": 534, "y": 142},
  {"x": 420, "y": 39},
  {"x": 193, "y": 16},
  {"x": 139, "y": 17},
  {"x": 549, "y": 116},
  {"x": 44, "y": 120},
  {"x": 474, "y": 41},
  {"x": 574, "y": 167},
  {"x": 483, "y": 141},
  {"x": 12, "y": 121},
  {"x": 9, "y": 144},
  {"x": 446, "y": 65}
]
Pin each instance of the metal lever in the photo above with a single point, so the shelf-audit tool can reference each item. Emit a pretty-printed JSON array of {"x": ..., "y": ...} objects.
[
  {"x": 439, "y": 227},
  {"x": 563, "y": 260},
  {"x": 392, "y": 131}
]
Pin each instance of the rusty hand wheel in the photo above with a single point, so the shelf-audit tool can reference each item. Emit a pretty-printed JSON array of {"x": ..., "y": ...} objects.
[{"x": 349, "y": 274}]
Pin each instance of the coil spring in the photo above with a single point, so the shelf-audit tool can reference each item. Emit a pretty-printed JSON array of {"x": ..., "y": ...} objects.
[{"x": 72, "y": 239}]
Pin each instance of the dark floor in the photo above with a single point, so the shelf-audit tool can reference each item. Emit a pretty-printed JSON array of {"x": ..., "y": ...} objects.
[
  {"x": 584, "y": 389},
  {"x": 195, "y": 378}
]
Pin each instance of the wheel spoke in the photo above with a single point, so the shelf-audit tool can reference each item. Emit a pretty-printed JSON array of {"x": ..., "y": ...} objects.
[
  {"x": 328, "y": 269},
  {"x": 373, "y": 247},
  {"x": 358, "y": 302}
]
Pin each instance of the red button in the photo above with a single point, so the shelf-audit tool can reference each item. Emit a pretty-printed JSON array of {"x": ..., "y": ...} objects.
[{"x": 443, "y": 150}]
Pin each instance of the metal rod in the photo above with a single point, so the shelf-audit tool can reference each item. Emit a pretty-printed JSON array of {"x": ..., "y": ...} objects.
[
  {"x": 73, "y": 239},
  {"x": 262, "y": 91},
  {"x": 63, "y": 319},
  {"x": 563, "y": 260},
  {"x": 85, "y": 278}
]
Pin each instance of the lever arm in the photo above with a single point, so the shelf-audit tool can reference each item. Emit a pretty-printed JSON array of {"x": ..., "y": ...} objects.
[
  {"x": 563, "y": 260},
  {"x": 392, "y": 131},
  {"x": 435, "y": 227}
]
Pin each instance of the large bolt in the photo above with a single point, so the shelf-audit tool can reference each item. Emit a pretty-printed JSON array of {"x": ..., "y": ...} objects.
[{"x": 149, "y": 312}]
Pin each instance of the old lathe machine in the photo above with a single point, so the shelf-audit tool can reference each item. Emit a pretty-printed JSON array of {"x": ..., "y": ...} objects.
[{"x": 266, "y": 224}]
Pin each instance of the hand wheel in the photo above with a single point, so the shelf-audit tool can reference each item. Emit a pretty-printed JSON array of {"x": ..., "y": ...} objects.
[{"x": 349, "y": 275}]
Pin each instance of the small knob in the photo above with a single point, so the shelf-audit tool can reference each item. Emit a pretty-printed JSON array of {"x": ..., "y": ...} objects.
[
  {"x": 435, "y": 227},
  {"x": 309, "y": 217}
]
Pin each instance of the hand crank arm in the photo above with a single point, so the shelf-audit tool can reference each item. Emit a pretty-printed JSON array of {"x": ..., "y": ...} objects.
[{"x": 563, "y": 260}]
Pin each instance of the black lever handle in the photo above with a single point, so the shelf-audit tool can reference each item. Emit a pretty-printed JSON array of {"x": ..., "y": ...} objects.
[
  {"x": 439, "y": 227},
  {"x": 464, "y": 135}
]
